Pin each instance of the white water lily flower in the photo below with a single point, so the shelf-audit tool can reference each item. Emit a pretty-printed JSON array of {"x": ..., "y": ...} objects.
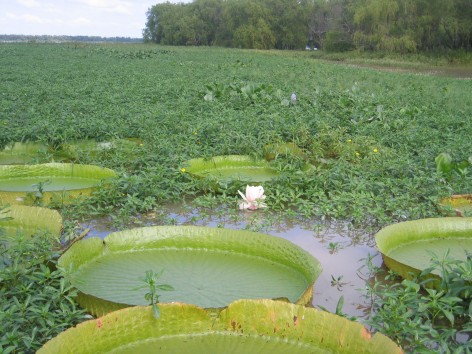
[{"x": 253, "y": 199}]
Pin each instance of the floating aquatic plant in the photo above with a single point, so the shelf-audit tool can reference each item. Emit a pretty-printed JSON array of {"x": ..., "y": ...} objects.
[
  {"x": 407, "y": 246},
  {"x": 253, "y": 199},
  {"x": 246, "y": 326},
  {"x": 208, "y": 267}
]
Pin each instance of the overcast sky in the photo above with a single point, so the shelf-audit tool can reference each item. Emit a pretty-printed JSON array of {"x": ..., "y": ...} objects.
[{"x": 105, "y": 18}]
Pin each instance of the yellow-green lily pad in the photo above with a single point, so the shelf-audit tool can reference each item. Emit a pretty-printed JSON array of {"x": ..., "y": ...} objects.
[
  {"x": 232, "y": 168},
  {"x": 246, "y": 326},
  {"x": 208, "y": 267},
  {"x": 23, "y": 184},
  {"x": 29, "y": 220},
  {"x": 407, "y": 247}
]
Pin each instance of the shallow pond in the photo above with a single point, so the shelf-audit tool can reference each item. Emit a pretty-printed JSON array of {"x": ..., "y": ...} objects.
[{"x": 340, "y": 250}]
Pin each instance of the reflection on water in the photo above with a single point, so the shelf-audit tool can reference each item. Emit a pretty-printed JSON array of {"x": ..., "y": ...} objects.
[{"x": 340, "y": 249}]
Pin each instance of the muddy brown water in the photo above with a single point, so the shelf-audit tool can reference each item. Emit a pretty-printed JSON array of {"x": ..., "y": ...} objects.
[{"x": 340, "y": 250}]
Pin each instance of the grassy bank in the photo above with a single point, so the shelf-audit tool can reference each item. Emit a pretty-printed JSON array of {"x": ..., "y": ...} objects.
[{"x": 372, "y": 135}]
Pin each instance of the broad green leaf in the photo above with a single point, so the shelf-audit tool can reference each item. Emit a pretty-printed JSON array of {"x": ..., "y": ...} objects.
[
  {"x": 407, "y": 246},
  {"x": 232, "y": 167},
  {"x": 19, "y": 183},
  {"x": 444, "y": 163},
  {"x": 209, "y": 267},
  {"x": 245, "y": 327},
  {"x": 411, "y": 284}
]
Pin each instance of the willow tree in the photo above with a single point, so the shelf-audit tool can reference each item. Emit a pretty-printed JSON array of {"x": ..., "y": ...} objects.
[
  {"x": 245, "y": 24},
  {"x": 376, "y": 27}
]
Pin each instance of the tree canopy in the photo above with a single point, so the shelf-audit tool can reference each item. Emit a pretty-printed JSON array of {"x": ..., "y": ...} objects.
[{"x": 403, "y": 26}]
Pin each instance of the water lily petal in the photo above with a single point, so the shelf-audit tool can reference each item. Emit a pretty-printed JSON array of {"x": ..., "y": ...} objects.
[
  {"x": 244, "y": 206},
  {"x": 242, "y": 195},
  {"x": 253, "y": 198},
  {"x": 254, "y": 192}
]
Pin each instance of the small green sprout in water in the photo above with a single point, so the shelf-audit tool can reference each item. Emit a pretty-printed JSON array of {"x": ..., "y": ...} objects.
[
  {"x": 152, "y": 296},
  {"x": 37, "y": 196},
  {"x": 337, "y": 282},
  {"x": 339, "y": 310},
  {"x": 334, "y": 247}
]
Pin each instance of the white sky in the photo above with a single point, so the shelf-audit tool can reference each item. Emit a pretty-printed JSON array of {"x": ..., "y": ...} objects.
[{"x": 105, "y": 18}]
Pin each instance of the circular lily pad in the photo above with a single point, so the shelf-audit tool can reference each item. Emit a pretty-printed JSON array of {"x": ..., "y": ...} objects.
[
  {"x": 46, "y": 181},
  {"x": 261, "y": 326},
  {"x": 232, "y": 168},
  {"x": 21, "y": 153},
  {"x": 208, "y": 267},
  {"x": 28, "y": 220},
  {"x": 91, "y": 148},
  {"x": 408, "y": 247}
]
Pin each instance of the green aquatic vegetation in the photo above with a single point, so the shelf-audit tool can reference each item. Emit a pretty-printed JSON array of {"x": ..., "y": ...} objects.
[
  {"x": 209, "y": 267},
  {"x": 372, "y": 136},
  {"x": 152, "y": 296},
  {"x": 446, "y": 165},
  {"x": 36, "y": 302},
  {"x": 424, "y": 320}
]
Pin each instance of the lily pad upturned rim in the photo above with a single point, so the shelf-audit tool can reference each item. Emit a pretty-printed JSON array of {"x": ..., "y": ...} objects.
[
  {"x": 53, "y": 169},
  {"x": 202, "y": 167},
  {"x": 389, "y": 237},
  {"x": 31, "y": 218},
  {"x": 22, "y": 152},
  {"x": 56, "y": 169},
  {"x": 244, "y": 326},
  {"x": 194, "y": 239}
]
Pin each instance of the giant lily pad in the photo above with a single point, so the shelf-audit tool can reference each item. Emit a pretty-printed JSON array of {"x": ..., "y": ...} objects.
[
  {"x": 459, "y": 205},
  {"x": 271, "y": 151},
  {"x": 232, "y": 168},
  {"x": 21, "y": 153},
  {"x": 407, "y": 247},
  {"x": 262, "y": 327},
  {"x": 208, "y": 267},
  {"x": 27, "y": 221},
  {"x": 80, "y": 148},
  {"x": 21, "y": 183}
]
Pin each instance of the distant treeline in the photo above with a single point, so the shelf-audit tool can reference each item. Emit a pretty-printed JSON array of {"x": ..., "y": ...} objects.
[
  {"x": 402, "y": 26},
  {"x": 59, "y": 39}
]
